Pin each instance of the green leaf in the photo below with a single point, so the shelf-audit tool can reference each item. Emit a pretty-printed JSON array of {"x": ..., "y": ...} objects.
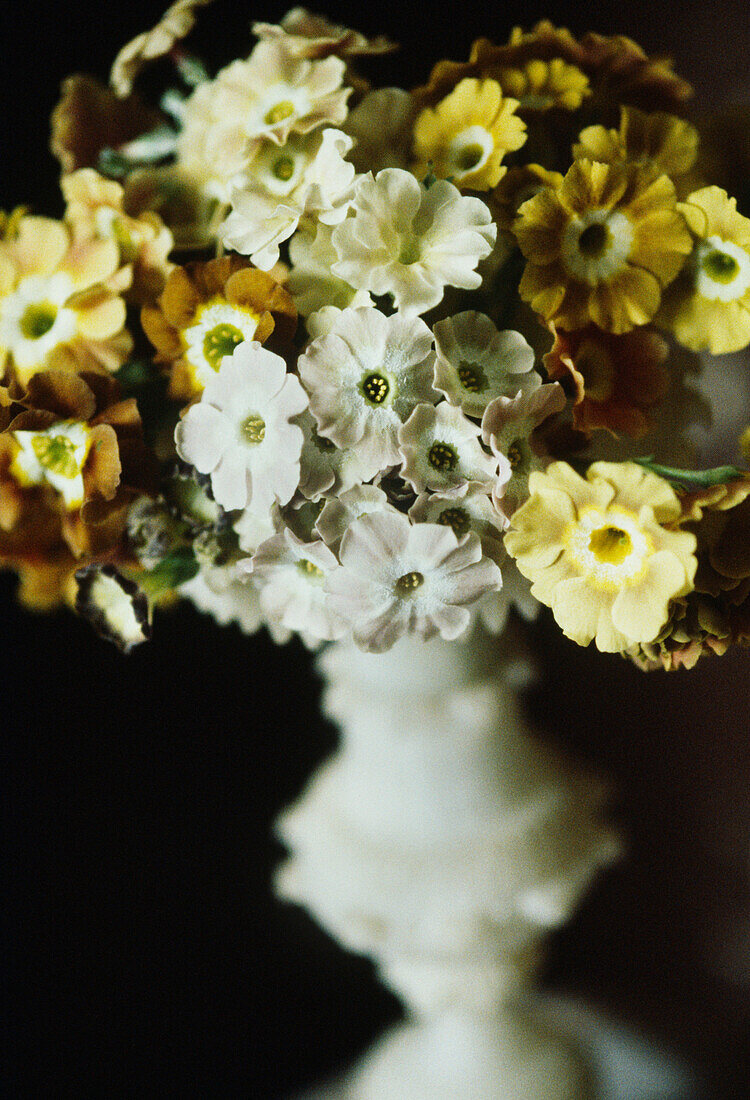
[{"x": 700, "y": 479}]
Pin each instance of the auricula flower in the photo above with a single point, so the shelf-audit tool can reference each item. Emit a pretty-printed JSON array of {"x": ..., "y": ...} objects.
[
  {"x": 441, "y": 450},
  {"x": 240, "y": 431},
  {"x": 397, "y": 578}
]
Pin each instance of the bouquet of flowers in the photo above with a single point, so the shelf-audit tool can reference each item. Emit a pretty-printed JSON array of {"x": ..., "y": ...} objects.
[{"x": 355, "y": 361}]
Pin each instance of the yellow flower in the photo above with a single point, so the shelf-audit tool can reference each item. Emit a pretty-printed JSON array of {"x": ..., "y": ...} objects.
[
  {"x": 466, "y": 135},
  {"x": 601, "y": 247},
  {"x": 598, "y": 553},
  {"x": 708, "y": 307},
  {"x": 59, "y": 301},
  {"x": 659, "y": 141},
  {"x": 541, "y": 85}
]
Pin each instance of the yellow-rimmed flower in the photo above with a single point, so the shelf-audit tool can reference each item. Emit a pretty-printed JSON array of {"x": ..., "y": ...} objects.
[
  {"x": 599, "y": 554},
  {"x": 60, "y": 304},
  {"x": 659, "y": 141},
  {"x": 542, "y": 85},
  {"x": 466, "y": 136},
  {"x": 708, "y": 307},
  {"x": 601, "y": 247}
]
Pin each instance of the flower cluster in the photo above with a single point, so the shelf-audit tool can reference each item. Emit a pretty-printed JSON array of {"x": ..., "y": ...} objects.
[{"x": 349, "y": 361}]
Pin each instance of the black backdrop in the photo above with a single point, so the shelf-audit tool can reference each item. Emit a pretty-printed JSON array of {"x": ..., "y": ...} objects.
[{"x": 143, "y": 951}]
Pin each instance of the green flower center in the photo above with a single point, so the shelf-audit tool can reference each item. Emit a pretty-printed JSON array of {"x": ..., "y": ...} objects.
[
  {"x": 309, "y": 569},
  {"x": 469, "y": 157},
  {"x": 279, "y": 112},
  {"x": 720, "y": 266},
  {"x": 457, "y": 518},
  {"x": 38, "y": 319},
  {"x": 283, "y": 168},
  {"x": 221, "y": 341},
  {"x": 57, "y": 454},
  {"x": 472, "y": 378},
  {"x": 610, "y": 545},
  {"x": 515, "y": 454},
  {"x": 375, "y": 388},
  {"x": 409, "y": 253},
  {"x": 441, "y": 456},
  {"x": 254, "y": 428},
  {"x": 409, "y": 583},
  {"x": 593, "y": 240}
]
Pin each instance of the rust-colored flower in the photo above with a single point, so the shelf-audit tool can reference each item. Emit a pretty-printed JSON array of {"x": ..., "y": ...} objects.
[
  {"x": 616, "y": 378},
  {"x": 72, "y": 459},
  {"x": 60, "y": 301},
  {"x": 206, "y": 310}
]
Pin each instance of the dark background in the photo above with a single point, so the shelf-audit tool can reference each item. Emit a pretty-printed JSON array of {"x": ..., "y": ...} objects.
[{"x": 144, "y": 951}]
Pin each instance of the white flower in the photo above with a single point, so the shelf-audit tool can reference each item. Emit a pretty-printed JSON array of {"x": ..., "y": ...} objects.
[
  {"x": 494, "y": 607},
  {"x": 475, "y": 363},
  {"x": 306, "y": 176},
  {"x": 311, "y": 283},
  {"x": 239, "y": 431},
  {"x": 325, "y": 469},
  {"x": 441, "y": 450},
  {"x": 290, "y": 575},
  {"x": 506, "y": 428},
  {"x": 338, "y": 514},
  {"x": 253, "y": 528},
  {"x": 364, "y": 378},
  {"x": 468, "y": 508},
  {"x": 410, "y": 241},
  {"x": 227, "y": 595},
  {"x": 397, "y": 578}
]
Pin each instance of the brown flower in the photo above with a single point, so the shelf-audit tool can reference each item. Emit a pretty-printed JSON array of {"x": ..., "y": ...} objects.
[
  {"x": 206, "y": 310},
  {"x": 616, "y": 378},
  {"x": 89, "y": 117}
]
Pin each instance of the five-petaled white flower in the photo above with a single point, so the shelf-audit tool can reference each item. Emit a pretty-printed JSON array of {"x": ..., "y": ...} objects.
[{"x": 239, "y": 431}]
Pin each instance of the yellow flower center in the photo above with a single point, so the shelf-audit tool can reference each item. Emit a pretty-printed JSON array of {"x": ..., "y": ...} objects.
[
  {"x": 254, "y": 429},
  {"x": 720, "y": 266},
  {"x": 472, "y": 378},
  {"x": 283, "y": 168},
  {"x": 280, "y": 111},
  {"x": 441, "y": 456},
  {"x": 457, "y": 518},
  {"x": 610, "y": 545},
  {"x": 37, "y": 319},
  {"x": 594, "y": 240},
  {"x": 375, "y": 388},
  {"x": 219, "y": 342},
  {"x": 56, "y": 453},
  {"x": 515, "y": 454},
  {"x": 309, "y": 569},
  {"x": 407, "y": 584}
]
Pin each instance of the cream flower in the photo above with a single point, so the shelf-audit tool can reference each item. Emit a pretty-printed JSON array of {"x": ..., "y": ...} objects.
[
  {"x": 507, "y": 427},
  {"x": 475, "y": 363},
  {"x": 228, "y": 596},
  {"x": 307, "y": 176},
  {"x": 304, "y": 34},
  {"x": 364, "y": 378},
  {"x": 382, "y": 125},
  {"x": 467, "y": 135},
  {"x": 599, "y": 553},
  {"x": 59, "y": 300},
  {"x": 397, "y": 578},
  {"x": 311, "y": 283},
  {"x": 410, "y": 241},
  {"x": 239, "y": 431},
  {"x": 708, "y": 307},
  {"x": 441, "y": 450},
  {"x": 290, "y": 575}
]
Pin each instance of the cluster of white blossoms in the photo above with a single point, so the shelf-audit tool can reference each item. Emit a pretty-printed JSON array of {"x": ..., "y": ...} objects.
[{"x": 366, "y": 475}]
